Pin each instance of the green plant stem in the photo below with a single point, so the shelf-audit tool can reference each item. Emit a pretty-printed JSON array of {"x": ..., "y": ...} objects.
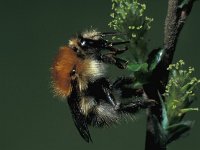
[{"x": 175, "y": 20}]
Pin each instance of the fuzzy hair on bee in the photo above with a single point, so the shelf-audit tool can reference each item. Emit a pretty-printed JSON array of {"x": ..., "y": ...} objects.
[
  {"x": 66, "y": 63},
  {"x": 78, "y": 75}
]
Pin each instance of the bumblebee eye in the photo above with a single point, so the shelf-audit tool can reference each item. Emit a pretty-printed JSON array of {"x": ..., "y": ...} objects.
[
  {"x": 87, "y": 43},
  {"x": 83, "y": 43}
]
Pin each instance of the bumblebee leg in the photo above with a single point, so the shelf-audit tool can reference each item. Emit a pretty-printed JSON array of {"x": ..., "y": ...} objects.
[
  {"x": 121, "y": 81},
  {"x": 116, "y": 50},
  {"x": 135, "y": 106},
  {"x": 121, "y": 63},
  {"x": 110, "y": 58},
  {"x": 110, "y": 98},
  {"x": 101, "y": 90},
  {"x": 112, "y": 33},
  {"x": 125, "y": 86},
  {"x": 119, "y": 43}
]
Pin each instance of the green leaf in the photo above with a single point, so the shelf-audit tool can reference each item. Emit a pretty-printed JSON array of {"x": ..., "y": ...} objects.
[
  {"x": 140, "y": 72},
  {"x": 138, "y": 67},
  {"x": 158, "y": 131},
  {"x": 154, "y": 58},
  {"x": 177, "y": 130},
  {"x": 183, "y": 3},
  {"x": 165, "y": 121}
]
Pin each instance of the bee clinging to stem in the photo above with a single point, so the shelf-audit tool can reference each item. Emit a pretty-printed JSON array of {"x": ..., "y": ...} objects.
[{"x": 78, "y": 75}]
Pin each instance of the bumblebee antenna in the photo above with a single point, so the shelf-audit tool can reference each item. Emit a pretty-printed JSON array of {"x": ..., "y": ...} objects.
[
  {"x": 112, "y": 33},
  {"x": 118, "y": 43}
]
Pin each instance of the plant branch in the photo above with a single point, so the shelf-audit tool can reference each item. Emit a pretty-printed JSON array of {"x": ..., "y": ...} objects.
[{"x": 176, "y": 16}]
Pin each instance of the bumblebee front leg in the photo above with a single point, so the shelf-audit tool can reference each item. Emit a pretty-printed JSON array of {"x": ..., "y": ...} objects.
[
  {"x": 112, "y": 59},
  {"x": 116, "y": 50}
]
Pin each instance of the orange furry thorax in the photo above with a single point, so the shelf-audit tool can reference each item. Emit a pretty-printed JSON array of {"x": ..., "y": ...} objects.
[
  {"x": 62, "y": 66},
  {"x": 87, "y": 69}
]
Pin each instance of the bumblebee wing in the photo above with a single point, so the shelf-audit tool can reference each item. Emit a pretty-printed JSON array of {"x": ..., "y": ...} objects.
[{"x": 79, "y": 119}]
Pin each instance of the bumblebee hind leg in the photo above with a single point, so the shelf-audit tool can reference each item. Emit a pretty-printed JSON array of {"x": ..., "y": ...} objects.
[
  {"x": 125, "y": 86},
  {"x": 135, "y": 106},
  {"x": 126, "y": 91}
]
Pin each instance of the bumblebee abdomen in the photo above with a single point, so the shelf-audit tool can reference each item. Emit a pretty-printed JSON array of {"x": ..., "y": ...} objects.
[{"x": 103, "y": 115}]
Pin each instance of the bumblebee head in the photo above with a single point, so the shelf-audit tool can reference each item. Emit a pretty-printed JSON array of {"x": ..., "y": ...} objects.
[
  {"x": 85, "y": 41},
  {"x": 92, "y": 41}
]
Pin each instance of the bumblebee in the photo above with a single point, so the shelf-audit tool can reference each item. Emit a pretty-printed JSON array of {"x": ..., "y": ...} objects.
[{"x": 78, "y": 75}]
